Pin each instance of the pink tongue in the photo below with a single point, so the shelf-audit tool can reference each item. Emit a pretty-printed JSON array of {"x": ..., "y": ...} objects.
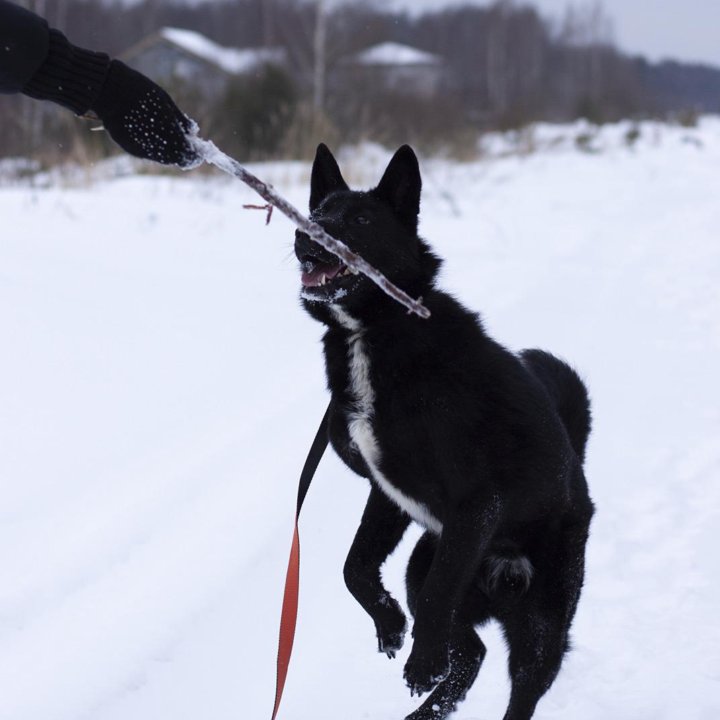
[{"x": 314, "y": 277}]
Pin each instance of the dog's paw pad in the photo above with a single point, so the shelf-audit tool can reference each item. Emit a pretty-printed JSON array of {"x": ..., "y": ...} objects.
[{"x": 422, "y": 674}]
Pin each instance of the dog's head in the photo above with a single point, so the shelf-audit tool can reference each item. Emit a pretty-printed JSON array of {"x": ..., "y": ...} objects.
[{"x": 380, "y": 225}]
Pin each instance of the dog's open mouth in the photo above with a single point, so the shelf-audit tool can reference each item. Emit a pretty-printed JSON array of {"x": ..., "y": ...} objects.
[{"x": 316, "y": 274}]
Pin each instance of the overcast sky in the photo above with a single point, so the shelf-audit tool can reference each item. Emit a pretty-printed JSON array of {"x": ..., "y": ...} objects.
[{"x": 681, "y": 29}]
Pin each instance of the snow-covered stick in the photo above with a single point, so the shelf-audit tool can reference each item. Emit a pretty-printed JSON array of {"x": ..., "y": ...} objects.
[{"x": 211, "y": 154}]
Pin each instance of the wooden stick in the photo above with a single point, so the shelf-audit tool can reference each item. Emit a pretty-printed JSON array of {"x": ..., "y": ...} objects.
[{"x": 209, "y": 152}]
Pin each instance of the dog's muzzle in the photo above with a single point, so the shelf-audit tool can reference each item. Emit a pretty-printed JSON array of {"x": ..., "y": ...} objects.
[{"x": 318, "y": 267}]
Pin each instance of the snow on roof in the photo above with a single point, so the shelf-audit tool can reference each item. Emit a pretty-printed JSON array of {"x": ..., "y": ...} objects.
[
  {"x": 232, "y": 60},
  {"x": 390, "y": 53}
]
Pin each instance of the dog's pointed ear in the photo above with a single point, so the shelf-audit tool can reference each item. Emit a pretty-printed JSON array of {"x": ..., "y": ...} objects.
[
  {"x": 325, "y": 177},
  {"x": 400, "y": 186}
]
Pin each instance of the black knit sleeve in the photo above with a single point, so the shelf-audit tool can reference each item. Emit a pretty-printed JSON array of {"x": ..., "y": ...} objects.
[
  {"x": 24, "y": 42},
  {"x": 69, "y": 76}
]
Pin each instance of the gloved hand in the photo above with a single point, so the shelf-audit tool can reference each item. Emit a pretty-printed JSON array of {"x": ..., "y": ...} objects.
[{"x": 142, "y": 118}]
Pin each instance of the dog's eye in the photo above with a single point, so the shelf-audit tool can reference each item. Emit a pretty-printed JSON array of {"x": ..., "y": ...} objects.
[{"x": 362, "y": 220}]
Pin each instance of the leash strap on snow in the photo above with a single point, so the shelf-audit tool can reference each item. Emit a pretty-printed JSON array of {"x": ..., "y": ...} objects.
[{"x": 288, "y": 618}]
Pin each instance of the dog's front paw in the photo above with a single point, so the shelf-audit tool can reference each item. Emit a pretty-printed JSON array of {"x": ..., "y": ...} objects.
[
  {"x": 424, "y": 670},
  {"x": 390, "y": 625}
]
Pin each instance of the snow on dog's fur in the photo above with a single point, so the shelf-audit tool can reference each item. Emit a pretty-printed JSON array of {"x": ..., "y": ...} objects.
[{"x": 481, "y": 447}]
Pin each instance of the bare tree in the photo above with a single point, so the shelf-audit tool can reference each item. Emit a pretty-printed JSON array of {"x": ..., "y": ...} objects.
[{"x": 320, "y": 53}]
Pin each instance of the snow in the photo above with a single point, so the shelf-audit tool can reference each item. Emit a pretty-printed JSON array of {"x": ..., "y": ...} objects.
[
  {"x": 232, "y": 60},
  {"x": 391, "y": 53},
  {"x": 161, "y": 386}
]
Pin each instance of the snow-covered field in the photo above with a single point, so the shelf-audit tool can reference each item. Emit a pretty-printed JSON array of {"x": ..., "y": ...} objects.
[{"x": 159, "y": 387}]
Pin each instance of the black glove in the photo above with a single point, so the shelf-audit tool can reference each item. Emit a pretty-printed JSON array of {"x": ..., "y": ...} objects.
[
  {"x": 142, "y": 118},
  {"x": 139, "y": 115}
]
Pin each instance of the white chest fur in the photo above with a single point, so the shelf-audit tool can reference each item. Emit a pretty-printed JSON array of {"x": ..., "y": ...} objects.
[{"x": 360, "y": 426}]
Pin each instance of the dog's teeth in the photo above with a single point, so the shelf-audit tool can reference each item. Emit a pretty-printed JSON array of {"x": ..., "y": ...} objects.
[{"x": 323, "y": 279}]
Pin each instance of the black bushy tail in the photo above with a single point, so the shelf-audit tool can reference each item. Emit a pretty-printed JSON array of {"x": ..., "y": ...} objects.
[{"x": 567, "y": 391}]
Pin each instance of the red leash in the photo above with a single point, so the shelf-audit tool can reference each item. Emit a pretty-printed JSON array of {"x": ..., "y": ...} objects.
[{"x": 288, "y": 619}]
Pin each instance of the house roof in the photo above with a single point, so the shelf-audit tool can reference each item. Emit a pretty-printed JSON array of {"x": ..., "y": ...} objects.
[
  {"x": 234, "y": 61},
  {"x": 391, "y": 53}
]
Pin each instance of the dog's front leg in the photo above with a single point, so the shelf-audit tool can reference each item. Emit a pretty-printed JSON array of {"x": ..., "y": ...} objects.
[
  {"x": 381, "y": 529},
  {"x": 465, "y": 535}
]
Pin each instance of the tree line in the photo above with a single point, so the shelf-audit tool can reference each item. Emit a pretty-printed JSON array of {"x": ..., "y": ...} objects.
[{"x": 507, "y": 65}]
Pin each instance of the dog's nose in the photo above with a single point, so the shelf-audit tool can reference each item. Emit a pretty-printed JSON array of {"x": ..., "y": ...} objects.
[
  {"x": 305, "y": 247},
  {"x": 303, "y": 241}
]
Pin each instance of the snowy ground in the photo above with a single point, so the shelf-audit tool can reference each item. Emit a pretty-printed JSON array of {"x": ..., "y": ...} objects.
[{"x": 160, "y": 386}]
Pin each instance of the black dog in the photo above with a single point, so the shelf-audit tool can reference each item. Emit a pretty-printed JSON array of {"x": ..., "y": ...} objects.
[{"x": 481, "y": 447}]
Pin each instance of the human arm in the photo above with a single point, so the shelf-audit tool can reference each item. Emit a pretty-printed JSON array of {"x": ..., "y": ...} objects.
[
  {"x": 23, "y": 46},
  {"x": 42, "y": 63}
]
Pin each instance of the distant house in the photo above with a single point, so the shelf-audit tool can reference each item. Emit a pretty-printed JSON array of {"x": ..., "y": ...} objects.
[
  {"x": 393, "y": 66},
  {"x": 173, "y": 55}
]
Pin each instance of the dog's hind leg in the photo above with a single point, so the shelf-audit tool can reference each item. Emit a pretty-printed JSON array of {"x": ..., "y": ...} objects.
[
  {"x": 537, "y": 624},
  {"x": 467, "y": 650},
  {"x": 537, "y": 644}
]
